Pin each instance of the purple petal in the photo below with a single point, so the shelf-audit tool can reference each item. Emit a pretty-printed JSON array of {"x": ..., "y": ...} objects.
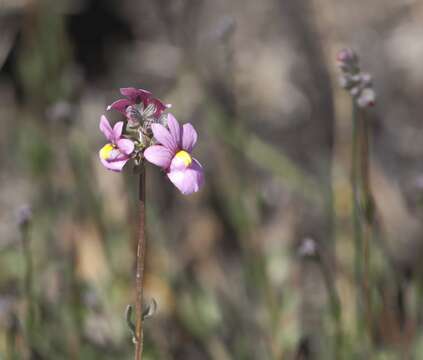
[
  {"x": 116, "y": 165},
  {"x": 164, "y": 137},
  {"x": 190, "y": 180},
  {"x": 117, "y": 131},
  {"x": 120, "y": 105},
  {"x": 158, "y": 155},
  {"x": 189, "y": 137},
  {"x": 174, "y": 128},
  {"x": 136, "y": 95},
  {"x": 198, "y": 168},
  {"x": 105, "y": 128},
  {"x": 126, "y": 146}
]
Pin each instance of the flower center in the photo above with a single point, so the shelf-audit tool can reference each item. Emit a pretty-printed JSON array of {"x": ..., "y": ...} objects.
[
  {"x": 185, "y": 157},
  {"x": 106, "y": 151}
]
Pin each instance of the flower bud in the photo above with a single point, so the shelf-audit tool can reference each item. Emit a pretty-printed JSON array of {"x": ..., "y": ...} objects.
[
  {"x": 24, "y": 216},
  {"x": 345, "y": 81},
  {"x": 308, "y": 248},
  {"x": 355, "y": 91},
  {"x": 133, "y": 115},
  {"x": 366, "y": 79},
  {"x": 367, "y": 98},
  {"x": 347, "y": 56}
]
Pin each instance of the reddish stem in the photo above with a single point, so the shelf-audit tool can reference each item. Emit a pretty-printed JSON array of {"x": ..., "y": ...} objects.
[{"x": 139, "y": 275}]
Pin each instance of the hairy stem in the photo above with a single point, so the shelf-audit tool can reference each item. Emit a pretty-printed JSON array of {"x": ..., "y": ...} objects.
[{"x": 140, "y": 268}]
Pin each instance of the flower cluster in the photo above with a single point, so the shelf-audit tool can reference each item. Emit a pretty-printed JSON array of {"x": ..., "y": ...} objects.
[
  {"x": 358, "y": 83},
  {"x": 150, "y": 133}
]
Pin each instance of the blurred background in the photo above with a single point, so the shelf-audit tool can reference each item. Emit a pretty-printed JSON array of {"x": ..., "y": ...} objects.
[{"x": 233, "y": 268}]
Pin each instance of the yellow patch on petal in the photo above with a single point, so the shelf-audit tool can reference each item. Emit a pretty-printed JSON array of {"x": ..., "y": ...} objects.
[
  {"x": 185, "y": 157},
  {"x": 105, "y": 151}
]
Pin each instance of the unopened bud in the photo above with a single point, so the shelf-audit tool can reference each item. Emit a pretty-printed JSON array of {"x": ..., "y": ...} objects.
[
  {"x": 367, "y": 98},
  {"x": 347, "y": 56},
  {"x": 225, "y": 28},
  {"x": 308, "y": 248},
  {"x": 367, "y": 79},
  {"x": 133, "y": 115},
  {"x": 356, "y": 78},
  {"x": 355, "y": 91},
  {"x": 24, "y": 216},
  {"x": 345, "y": 81}
]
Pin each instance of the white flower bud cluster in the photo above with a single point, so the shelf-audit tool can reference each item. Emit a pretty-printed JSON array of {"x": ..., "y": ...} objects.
[{"x": 359, "y": 84}]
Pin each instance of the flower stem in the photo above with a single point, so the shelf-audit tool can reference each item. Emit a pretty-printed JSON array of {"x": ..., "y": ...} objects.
[
  {"x": 140, "y": 268},
  {"x": 28, "y": 288},
  {"x": 335, "y": 304},
  {"x": 355, "y": 203},
  {"x": 362, "y": 217},
  {"x": 368, "y": 215}
]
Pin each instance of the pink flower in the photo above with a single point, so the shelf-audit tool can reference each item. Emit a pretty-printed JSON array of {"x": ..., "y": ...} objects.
[
  {"x": 115, "y": 154},
  {"x": 138, "y": 97},
  {"x": 174, "y": 155}
]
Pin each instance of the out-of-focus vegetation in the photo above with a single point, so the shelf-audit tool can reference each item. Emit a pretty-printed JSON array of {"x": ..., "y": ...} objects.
[{"x": 232, "y": 268}]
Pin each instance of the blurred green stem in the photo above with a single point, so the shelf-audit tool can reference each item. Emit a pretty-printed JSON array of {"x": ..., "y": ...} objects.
[
  {"x": 28, "y": 279},
  {"x": 11, "y": 337},
  {"x": 335, "y": 305},
  {"x": 139, "y": 276},
  {"x": 368, "y": 215},
  {"x": 362, "y": 217},
  {"x": 355, "y": 210}
]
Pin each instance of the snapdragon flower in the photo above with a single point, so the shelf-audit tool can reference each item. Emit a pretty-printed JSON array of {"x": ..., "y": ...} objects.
[
  {"x": 150, "y": 133},
  {"x": 173, "y": 155},
  {"x": 115, "y": 154}
]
